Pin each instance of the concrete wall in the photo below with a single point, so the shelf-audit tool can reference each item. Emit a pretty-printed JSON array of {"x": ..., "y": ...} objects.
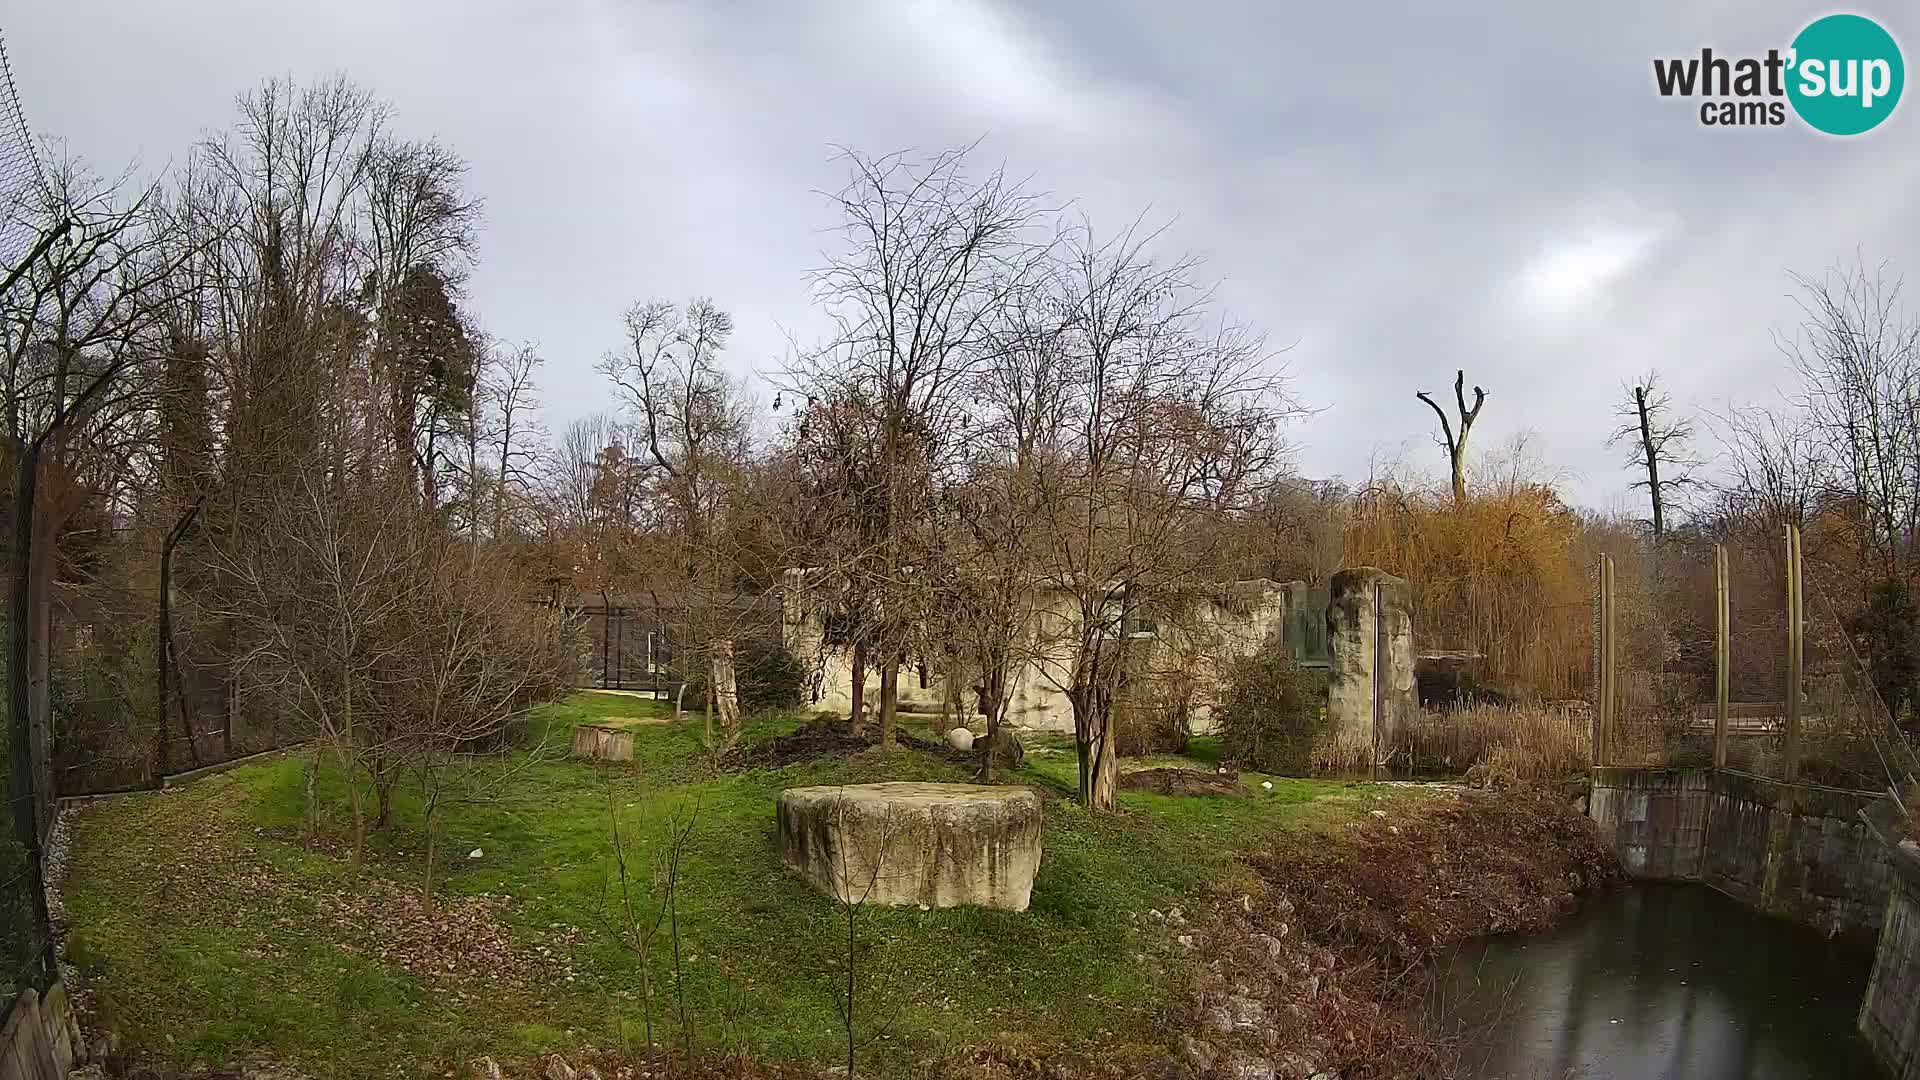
[
  {"x": 41, "y": 1039},
  {"x": 1795, "y": 850},
  {"x": 1191, "y": 647},
  {"x": 1890, "y": 1012},
  {"x": 1370, "y": 640}
]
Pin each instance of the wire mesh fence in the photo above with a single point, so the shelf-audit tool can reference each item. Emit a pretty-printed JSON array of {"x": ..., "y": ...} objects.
[
  {"x": 21, "y": 178},
  {"x": 1732, "y": 655},
  {"x": 25, "y": 935}
]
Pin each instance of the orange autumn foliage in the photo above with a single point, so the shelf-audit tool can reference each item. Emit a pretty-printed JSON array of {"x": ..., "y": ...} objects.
[{"x": 1502, "y": 573}]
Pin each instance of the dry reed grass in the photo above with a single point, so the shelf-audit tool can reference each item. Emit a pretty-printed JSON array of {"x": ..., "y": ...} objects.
[{"x": 1498, "y": 743}]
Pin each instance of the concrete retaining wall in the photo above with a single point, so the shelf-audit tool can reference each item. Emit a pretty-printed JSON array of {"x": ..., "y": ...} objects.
[
  {"x": 41, "y": 1039},
  {"x": 1890, "y": 1012},
  {"x": 1795, "y": 850},
  {"x": 1829, "y": 858}
]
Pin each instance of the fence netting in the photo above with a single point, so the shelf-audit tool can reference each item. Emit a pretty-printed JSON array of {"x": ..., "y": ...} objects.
[
  {"x": 1666, "y": 650},
  {"x": 24, "y": 940}
]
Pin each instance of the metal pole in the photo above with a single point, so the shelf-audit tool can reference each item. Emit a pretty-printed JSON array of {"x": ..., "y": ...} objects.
[
  {"x": 1608, "y": 683},
  {"x": 1722, "y": 630},
  {"x": 1795, "y": 645}
]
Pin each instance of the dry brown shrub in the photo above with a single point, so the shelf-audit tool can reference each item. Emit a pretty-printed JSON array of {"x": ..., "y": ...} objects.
[{"x": 1498, "y": 743}]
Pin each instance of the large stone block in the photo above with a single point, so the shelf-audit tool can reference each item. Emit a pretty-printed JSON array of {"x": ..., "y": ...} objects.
[
  {"x": 1370, "y": 642},
  {"x": 939, "y": 845}
]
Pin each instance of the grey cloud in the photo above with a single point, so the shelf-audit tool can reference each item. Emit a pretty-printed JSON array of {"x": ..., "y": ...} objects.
[{"x": 1373, "y": 184}]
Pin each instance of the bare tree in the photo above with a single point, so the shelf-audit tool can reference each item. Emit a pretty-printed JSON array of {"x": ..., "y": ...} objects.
[
  {"x": 326, "y": 588},
  {"x": 508, "y": 422},
  {"x": 693, "y": 425},
  {"x": 1857, "y": 352},
  {"x": 992, "y": 572},
  {"x": 1456, "y": 444},
  {"x": 1776, "y": 466},
  {"x": 78, "y": 327},
  {"x": 1169, "y": 424},
  {"x": 1660, "y": 445},
  {"x": 930, "y": 257}
]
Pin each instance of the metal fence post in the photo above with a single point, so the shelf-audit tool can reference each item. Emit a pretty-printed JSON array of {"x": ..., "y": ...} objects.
[
  {"x": 1796, "y": 629},
  {"x": 1722, "y": 630},
  {"x": 1603, "y": 718}
]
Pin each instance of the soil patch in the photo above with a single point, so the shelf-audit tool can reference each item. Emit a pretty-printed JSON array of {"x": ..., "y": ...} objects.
[
  {"x": 828, "y": 736},
  {"x": 1182, "y": 782}
]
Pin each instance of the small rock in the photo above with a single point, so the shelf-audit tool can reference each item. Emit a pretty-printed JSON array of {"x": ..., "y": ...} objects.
[
  {"x": 1199, "y": 1053},
  {"x": 1266, "y": 785},
  {"x": 1238, "y": 1013},
  {"x": 1249, "y": 1067},
  {"x": 1297, "y": 1065},
  {"x": 475, "y": 853},
  {"x": 960, "y": 739},
  {"x": 558, "y": 1069}
]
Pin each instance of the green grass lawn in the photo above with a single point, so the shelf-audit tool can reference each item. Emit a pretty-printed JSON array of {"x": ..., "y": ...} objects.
[{"x": 204, "y": 929}]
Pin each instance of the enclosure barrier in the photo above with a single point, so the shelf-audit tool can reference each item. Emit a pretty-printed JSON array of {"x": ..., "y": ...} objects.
[{"x": 1773, "y": 688}]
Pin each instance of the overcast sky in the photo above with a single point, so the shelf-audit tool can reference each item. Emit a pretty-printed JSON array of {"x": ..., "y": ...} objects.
[{"x": 1393, "y": 190}]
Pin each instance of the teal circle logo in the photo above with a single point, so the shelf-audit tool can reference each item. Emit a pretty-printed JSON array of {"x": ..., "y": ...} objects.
[{"x": 1845, "y": 74}]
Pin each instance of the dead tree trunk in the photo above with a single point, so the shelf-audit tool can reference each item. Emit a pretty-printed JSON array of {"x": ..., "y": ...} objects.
[
  {"x": 1456, "y": 445},
  {"x": 1652, "y": 454}
]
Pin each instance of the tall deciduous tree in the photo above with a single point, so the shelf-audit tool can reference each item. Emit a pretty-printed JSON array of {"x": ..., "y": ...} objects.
[
  {"x": 1168, "y": 423},
  {"x": 930, "y": 256},
  {"x": 693, "y": 427},
  {"x": 80, "y": 328}
]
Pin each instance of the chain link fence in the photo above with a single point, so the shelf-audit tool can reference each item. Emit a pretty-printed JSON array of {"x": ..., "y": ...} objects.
[{"x": 25, "y": 934}]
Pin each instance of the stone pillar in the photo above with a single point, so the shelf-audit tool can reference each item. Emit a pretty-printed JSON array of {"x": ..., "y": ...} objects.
[{"x": 1358, "y": 674}]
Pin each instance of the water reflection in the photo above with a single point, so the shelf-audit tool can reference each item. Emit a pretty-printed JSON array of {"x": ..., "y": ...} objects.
[{"x": 1659, "y": 981}]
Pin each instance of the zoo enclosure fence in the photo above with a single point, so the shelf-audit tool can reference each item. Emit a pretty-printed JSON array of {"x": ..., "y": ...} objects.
[{"x": 1729, "y": 655}]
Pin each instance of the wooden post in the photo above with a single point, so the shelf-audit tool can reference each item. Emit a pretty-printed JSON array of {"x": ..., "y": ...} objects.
[
  {"x": 1722, "y": 631},
  {"x": 1795, "y": 635},
  {"x": 1605, "y": 707}
]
